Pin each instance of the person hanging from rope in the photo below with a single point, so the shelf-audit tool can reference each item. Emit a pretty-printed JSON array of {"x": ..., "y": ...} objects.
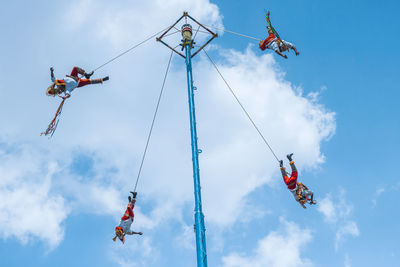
[
  {"x": 300, "y": 192},
  {"x": 274, "y": 42},
  {"x": 124, "y": 227},
  {"x": 66, "y": 86},
  {"x": 70, "y": 82}
]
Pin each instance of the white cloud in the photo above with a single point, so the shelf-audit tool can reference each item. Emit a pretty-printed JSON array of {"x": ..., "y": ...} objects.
[
  {"x": 279, "y": 248},
  {"x": 348, "y": 228},
  {"x": 327, "y": 208},
  {"x": 120, "y": 23},
  {"x": 347, "y": 262},
  {"x": 137, "y": 251},
  {"x": 379, "y": 191},
  {"x": 337, "y": 212},
  {"x": 314, "y": 97},
  {"x": 186, "y": 239},
  {"x": 28, "y": 208}
]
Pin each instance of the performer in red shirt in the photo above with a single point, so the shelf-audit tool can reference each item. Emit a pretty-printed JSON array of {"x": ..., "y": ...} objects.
[
  {"x": 276, "y": 44},
  {"x": 124, "y": 227},
  {"x": 300, "y": 192},
  {"x": 70, "y": 82}
]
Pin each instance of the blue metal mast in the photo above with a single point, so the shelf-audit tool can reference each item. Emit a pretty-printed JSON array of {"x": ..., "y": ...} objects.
[
  {"x": 198, "y": 213},
  {"x": 187, "y": 44}
]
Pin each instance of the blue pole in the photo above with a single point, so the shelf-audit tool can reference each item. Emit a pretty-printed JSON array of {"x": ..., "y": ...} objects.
[{"x": 198, "y": 213}]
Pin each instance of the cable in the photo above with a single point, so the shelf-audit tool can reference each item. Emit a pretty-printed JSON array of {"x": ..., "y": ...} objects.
[
  {"x": 152, "y": 123},
  {"x": 194, "y": 38},
  {"x": 247, "y": 114},
  {"x": 242, "y": 35},
  {"x": 133, "y": 47},
  {"x": 171, "y": 33}
]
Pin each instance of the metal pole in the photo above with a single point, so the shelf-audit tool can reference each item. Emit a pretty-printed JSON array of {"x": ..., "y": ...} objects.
[{"x": 198, "y": 213}]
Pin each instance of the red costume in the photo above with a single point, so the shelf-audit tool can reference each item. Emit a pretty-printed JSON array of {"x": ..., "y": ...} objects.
[
  {"x": 74, "y": 75},
  {"x": 124, "y": 227},
  {"x": 269, "y": 39},
  {"x": 128, "y": 213},
  {"x": 299, "y": 190},
  {"x": 291, "y": 181},
  {"x": 70, "y": 82}
]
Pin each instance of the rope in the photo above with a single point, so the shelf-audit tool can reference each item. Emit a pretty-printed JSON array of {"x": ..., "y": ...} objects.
[
  {"x": 171, "y": 33},
  {"x": 130, "y": 49},
  {"x": 54, "y": 122},
  {"x": 152, "y": 123},
  {"x": 194, "y": 38},
  {"x": 247, "y": 114},
  {"x": 239, "y": 34}
]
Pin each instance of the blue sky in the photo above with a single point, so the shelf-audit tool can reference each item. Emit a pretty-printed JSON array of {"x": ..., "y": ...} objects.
[{"x": 334, "y": 106}]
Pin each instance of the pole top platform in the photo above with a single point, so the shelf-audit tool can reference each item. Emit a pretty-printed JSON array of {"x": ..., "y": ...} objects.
[{"x": 187, "y": 35}]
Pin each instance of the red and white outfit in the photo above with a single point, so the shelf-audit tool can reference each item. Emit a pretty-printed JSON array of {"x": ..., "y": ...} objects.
[
  {"x": 272, "y": 43},
  {"x": 127, "y": 220},
  {"x": 72, "y": 81},
  {"x": 291, "y": 182}
]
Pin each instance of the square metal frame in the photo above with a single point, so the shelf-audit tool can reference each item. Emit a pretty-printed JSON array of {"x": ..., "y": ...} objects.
[{"x": 186, "y": 15}]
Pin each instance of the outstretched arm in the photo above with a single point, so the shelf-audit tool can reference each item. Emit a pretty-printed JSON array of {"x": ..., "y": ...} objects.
[
  {"x": 291, "y": 46},
  {"x": 133, "y": 233},
  {"x": 282, "y": 55},
  {"x": 295, "y": 50}
]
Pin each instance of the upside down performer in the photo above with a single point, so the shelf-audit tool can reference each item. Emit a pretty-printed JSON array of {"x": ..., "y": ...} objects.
[
  {"x": 66, "y": 86},
  {"x": 70, "y": 82},
  {"x": 274, "y": 42},
  {"x": 278, "y": 45},
  {"x": 300, "y": 192},
  {"x": 124, "y": 227}
]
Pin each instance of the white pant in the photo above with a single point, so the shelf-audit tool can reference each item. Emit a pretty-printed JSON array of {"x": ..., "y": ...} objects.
[
  {"x": 294, "y": 192},
  {"x": 274, "y": 45},
  {"x": 126, "y": 226},
  {"x": 70, "y": 84}
]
